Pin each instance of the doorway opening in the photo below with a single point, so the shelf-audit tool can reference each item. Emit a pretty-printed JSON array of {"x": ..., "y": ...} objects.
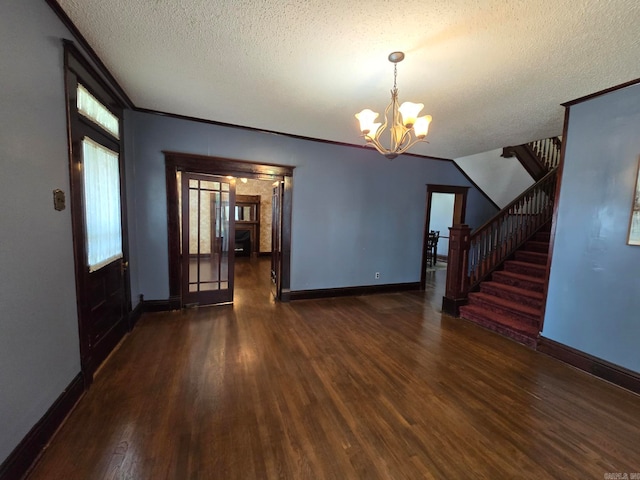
[
  {"x": 242, "y": 232},
  {"x": 445, "y": 207}
]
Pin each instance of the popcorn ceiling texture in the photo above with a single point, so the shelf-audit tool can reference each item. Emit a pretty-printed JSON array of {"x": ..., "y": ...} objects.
[{"x": 492, "y": 73}]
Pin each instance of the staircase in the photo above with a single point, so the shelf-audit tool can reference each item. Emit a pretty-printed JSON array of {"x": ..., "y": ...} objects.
[
  {"x": 511, "y": 302},
  {"x": 497, "y": 274}
]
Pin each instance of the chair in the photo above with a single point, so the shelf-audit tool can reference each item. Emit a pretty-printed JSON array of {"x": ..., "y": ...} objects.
[{"x": 432, "y": 247}]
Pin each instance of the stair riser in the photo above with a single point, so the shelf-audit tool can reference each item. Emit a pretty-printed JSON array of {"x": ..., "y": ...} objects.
[
  {"x": 524, "y": 317},
  {"x": 542, "y": 237},
  {"x": 516, "y": 282},
  {"x": 498, "y": 328},
  {"x": 531, "y": 270},
  {"x": 531, "y": 257},
  {"x": 540, "y": 247},
  {"x": 513, "y": 296}
]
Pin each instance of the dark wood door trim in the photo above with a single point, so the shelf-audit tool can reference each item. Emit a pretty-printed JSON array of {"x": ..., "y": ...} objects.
[
  {"x": 186, "y": 162},
  {"x": 459, "y": 213},
  {"x": 94, "y": 347}
]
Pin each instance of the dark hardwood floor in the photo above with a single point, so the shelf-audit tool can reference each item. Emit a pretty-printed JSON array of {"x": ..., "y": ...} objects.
[{"x": 371, "y": 387}]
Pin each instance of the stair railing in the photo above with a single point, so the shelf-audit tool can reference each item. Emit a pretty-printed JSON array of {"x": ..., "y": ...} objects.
[
  {"x": 548, "y": 151},
  {"x": 474, "y": 256}
]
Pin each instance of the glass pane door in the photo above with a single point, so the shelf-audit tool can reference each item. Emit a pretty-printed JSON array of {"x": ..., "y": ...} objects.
[{"x": 207, "y": 239}]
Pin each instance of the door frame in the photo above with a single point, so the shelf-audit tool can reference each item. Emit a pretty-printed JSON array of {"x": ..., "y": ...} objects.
[
  {"x": 459, "y": 212},
  {"x": 77, "y": 70},
  {"x": 208, "y": 165}
]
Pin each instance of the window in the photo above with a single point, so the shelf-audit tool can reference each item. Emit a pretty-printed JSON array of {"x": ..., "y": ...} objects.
[
  {"x": 91, "y": 108},
  {"x": 102, "y": 204}
]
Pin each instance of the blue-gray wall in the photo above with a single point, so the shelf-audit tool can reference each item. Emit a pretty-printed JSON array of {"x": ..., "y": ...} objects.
[
  {"x": 354, "y": 212},
  {"x": 594, "y": 289},
  {"x": 39, "y": 346}
]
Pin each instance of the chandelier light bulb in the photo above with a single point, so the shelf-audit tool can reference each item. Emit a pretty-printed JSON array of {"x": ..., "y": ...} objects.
[
  {"x": 410, "y": 112},
  {"x": 366, "y": 118},
  {"x": 421, "y": 127}
]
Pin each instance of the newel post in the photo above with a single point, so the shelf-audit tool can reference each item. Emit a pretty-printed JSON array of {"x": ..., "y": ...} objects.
[{"x": 457, "y": 264}]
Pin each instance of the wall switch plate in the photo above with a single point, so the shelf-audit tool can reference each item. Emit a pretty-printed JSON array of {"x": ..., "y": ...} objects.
[
  {"x": 59, "y": 200},
  {"x": 377, "y": 275}
]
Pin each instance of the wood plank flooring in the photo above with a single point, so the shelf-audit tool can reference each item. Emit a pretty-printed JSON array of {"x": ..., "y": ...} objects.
[{"x": 371, "y": 387}]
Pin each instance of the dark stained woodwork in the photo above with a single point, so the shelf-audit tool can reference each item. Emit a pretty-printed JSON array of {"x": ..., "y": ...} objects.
[
  {"x": 22, "y": 457},
  {"x": 273, "y": 132},
  {"x": 370, "y": 387},
  {"x": 351, "y": 291},
  {"x": 251, "y": 225},
  {"x": 209, "y": 288},
  {"x": 528, "y": 159},
  {"x": 457, "y": 282},
  {"x": 596, "y": 366},
  {"x": 186, "y": 162},
  {"x": 600, "y": 93},
  {"x": 459, "y": 213},
  {"x": 103, "y": 296},
  {"x": 554, "y": 216}
]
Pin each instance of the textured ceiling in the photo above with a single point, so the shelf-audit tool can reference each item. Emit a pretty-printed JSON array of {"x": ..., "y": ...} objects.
[{"x": 491, "y": 73}]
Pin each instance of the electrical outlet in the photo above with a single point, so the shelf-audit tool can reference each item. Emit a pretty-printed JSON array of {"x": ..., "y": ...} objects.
[{"x": 377, "y": 275}]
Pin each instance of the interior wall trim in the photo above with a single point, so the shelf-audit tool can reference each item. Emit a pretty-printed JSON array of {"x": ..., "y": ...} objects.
[
  {"x": 273, "y": 132},
  {"x": 136, "y": 313},
  {"x": 23, "y": 457},
  {"x": 352, "y": 291},
  {"x": 104, "y": 71},
  {"x": 610, "y": 372},
  {"x": 601, "y": 92},
  {"x": 171, "y": 303},
  {"x": 475, "y": 185}
]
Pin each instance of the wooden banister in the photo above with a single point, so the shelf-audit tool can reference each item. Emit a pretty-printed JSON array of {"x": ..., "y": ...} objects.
[
  {"x": 473, "y": 256},
  {"x": 537, "y": 157}
]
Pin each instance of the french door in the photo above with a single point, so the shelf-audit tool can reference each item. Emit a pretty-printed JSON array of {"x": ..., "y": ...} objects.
[
  {"x": 187, "y": 284},
  {"x": 208, "y": 238},
  {"x": 276, "y": 239}
]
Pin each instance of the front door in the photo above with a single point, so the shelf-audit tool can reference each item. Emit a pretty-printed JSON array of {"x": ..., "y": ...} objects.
[
  {"x": 208, "y": 238},
  {"x": 98, "y": 214}
]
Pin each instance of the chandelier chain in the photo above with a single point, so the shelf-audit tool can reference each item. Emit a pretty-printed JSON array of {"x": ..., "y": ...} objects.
[{"x": 395, "y": 75}]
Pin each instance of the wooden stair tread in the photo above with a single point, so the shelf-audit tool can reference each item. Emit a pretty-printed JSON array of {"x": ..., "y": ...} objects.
[
  {"x": 537, "y": 243},
  {"x": 520, "y": 276},
  {"x": 517, "y": 290},
  {"x": 539, "y": 269},
  {"x": 531, "y": 253}
]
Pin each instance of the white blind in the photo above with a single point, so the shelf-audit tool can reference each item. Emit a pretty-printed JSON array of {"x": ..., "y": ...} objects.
[
  {"x": 102, "y": 204},
  {"x": 90, "y": 107}
]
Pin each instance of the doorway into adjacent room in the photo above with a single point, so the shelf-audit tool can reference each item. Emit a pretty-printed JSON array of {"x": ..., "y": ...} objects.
[
  {"x": 445, "y": 207},
  {"x": 227, "y": 227}
]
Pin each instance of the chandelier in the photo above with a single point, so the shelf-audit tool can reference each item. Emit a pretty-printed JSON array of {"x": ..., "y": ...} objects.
[{"x": 406, "y": 127}]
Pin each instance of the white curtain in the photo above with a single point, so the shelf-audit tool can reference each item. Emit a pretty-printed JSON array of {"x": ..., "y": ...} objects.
[
  {"x": 91, "y": 108},
  {"x": 102, "y": 204}
]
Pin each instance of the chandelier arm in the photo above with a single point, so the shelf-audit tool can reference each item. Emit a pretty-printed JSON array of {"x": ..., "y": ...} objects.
[
  {"x": 406, "y": 137},
  {"x": 411, "y": 144},
  {"x": 386, "y": 120},
  {"x": 378, "y": 146}
]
